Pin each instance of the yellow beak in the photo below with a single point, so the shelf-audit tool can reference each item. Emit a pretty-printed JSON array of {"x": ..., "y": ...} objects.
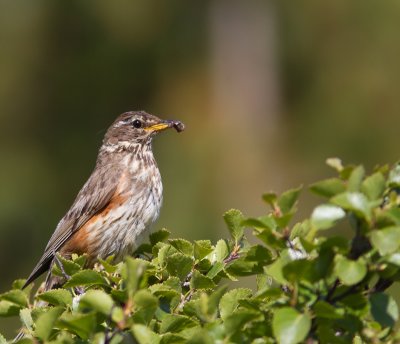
[{"x": 158, "y": 127}]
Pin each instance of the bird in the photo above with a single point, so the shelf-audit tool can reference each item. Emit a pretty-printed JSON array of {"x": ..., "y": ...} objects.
[{"x": 116, "y": 207}]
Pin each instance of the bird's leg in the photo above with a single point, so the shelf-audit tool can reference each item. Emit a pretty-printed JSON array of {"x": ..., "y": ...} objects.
[
  {"x": 78, "y": 290},
  {"x": 60, "y": 266}
]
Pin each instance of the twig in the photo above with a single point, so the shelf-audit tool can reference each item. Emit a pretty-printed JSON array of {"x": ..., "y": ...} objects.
[
  {"x": 184, "y": 299},
  {"x": 332, "y": 290},
  {"x": 233, "y": 255},
  {"x": 381, "y": 286}
]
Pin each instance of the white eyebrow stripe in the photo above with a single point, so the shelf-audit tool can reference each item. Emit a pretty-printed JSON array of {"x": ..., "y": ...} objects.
[{"x": 124, "y": 121}]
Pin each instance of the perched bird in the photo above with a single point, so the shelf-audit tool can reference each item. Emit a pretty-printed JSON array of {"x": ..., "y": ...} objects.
[{"x": 121, "y": 199}]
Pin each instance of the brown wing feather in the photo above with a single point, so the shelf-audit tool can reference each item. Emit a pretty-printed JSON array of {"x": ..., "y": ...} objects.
[{"x": 93, "y": 197}]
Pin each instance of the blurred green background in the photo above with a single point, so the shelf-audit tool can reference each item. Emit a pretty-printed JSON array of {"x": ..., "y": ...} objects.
[{"x": 268, "y": 90}]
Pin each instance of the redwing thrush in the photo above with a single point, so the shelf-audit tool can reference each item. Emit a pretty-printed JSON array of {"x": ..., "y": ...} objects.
[{"x": 121, "y": 199}]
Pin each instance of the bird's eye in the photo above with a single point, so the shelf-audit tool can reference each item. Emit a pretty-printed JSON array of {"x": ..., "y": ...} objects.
[{"x": 137, "y": 124}]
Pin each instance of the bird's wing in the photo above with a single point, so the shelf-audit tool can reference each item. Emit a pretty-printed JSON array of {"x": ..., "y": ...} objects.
[{"x": 95, "y": 195}]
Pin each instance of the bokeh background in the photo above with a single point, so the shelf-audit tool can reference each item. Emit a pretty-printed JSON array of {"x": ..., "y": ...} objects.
[{"x": 268, "y": 90}]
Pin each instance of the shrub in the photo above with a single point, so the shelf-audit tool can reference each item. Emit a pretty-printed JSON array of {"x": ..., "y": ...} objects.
[{"x": 310, "y": 284}]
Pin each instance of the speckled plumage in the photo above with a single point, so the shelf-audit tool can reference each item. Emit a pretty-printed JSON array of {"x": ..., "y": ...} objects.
[{"x": 116, "y": 207}]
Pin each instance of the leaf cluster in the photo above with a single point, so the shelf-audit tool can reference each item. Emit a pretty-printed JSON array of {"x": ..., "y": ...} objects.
[{"x": 323, "y": 279}]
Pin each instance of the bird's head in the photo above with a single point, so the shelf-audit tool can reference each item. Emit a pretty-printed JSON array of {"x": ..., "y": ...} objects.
[{"x": 137, "y": 127}]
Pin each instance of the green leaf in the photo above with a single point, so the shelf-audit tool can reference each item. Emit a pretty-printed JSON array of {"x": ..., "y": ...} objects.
[
  {"x": 117, "y": 315},
  {"x": 196, "y": 308},
  {"x": 46, "y": 321},
  {"x": 270, "y": 293},
  {"x": 321, "y": 266},
  {"x": 288, "y": 199},
  {"x": 233, "y": 219},
  {"x": 19, "y": 283},
  {"x": 80, "y": 324},
  {"x": 221, "y": 250},
  {"x": 85, "y": 277},
  {"x": 119, "y": 295},
  {"x": 97, "y": 300},
  {"x": 357, "y": 340},
  {"x": 146, "y": 305},
  {"x": 323, "y": 309},
  {"x": 263, "y": 281},
  {"x": 171, "y": 338},
  {"x": 272, "y": 239},
  {"x": 179, "y": 265},
  {"x": 335, "y": 163},
  {"x": 80, "y": 259},
  {"x": 235, "y": 322},
  {"x": 26, "y": 318},
  {"x": 8, "y": 309},
  {"x": 202, "y": 248},
  {"x": 270, "y": 198},
  {"x": 350, "y": 272},
  {"x": 297, "y": 270},
  {"x": 328, "y": 187},
  {"x": 300, "y": 230},
  {"x": 258, "y": 254},
  {"x": 134, "y": 270},
  {"x": 384, "y": 309},
  {"x": 215, "y": 270},
  {"x": 258, "y": 224},
  {"x": 339, "y": 243},
  {"x": 200, "y": 308},
  {"x": 393, "y": 215},
  {"x": 275, "y": 270},
  {"x": 69, "y": 266},
  {"x": 159, "y": 236},
  {"x": 282, "y": 221},
  {"x": 374, "y": 186},
  {"x": 173, "y": 283},
  {"x": 164, "y": 251},
  {"x": 326, "y": 215},
  {"x": 242, "y": 267},
  {"x": 182, "y": 245},
  {"x": 56, "y": 297},
  {"x": 267, "y": 221},
  {"x": 144, "y": 335},
  {"x": 169, "y": 289},
  {"x": 355, "y": 179},
  {"x": 290, "y": 326},
  {"x": 394, "y": 258},
  {"x": 3, "y": 340},
  {"x": 230, "y": 301},
  {"x": 204, "y": 307},
  {"x": 200, "y": 336},
  {"x": 199, "y": 281},
  {"x": 386, "y": 240},
  {"x": 144, "y": 249},
  {"x": 175, "y": 323},
  {"x": 110, "y": 268},
  {"x": 251, "y": 263},
  {"x": 354, "y": 201},
  {"x": 214, "y": 299},
  {"x": 97, "y": 338},
  {"x": 15, "y": 296},
  {"x": 394, "y": 176},
  {"x": 356, "y": 301}
]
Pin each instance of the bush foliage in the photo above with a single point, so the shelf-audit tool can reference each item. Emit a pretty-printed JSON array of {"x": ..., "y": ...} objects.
[{"x": 311, "y": 285}]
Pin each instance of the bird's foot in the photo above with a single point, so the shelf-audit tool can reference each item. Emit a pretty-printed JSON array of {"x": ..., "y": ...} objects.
[{"x": 79, "y": 290}]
